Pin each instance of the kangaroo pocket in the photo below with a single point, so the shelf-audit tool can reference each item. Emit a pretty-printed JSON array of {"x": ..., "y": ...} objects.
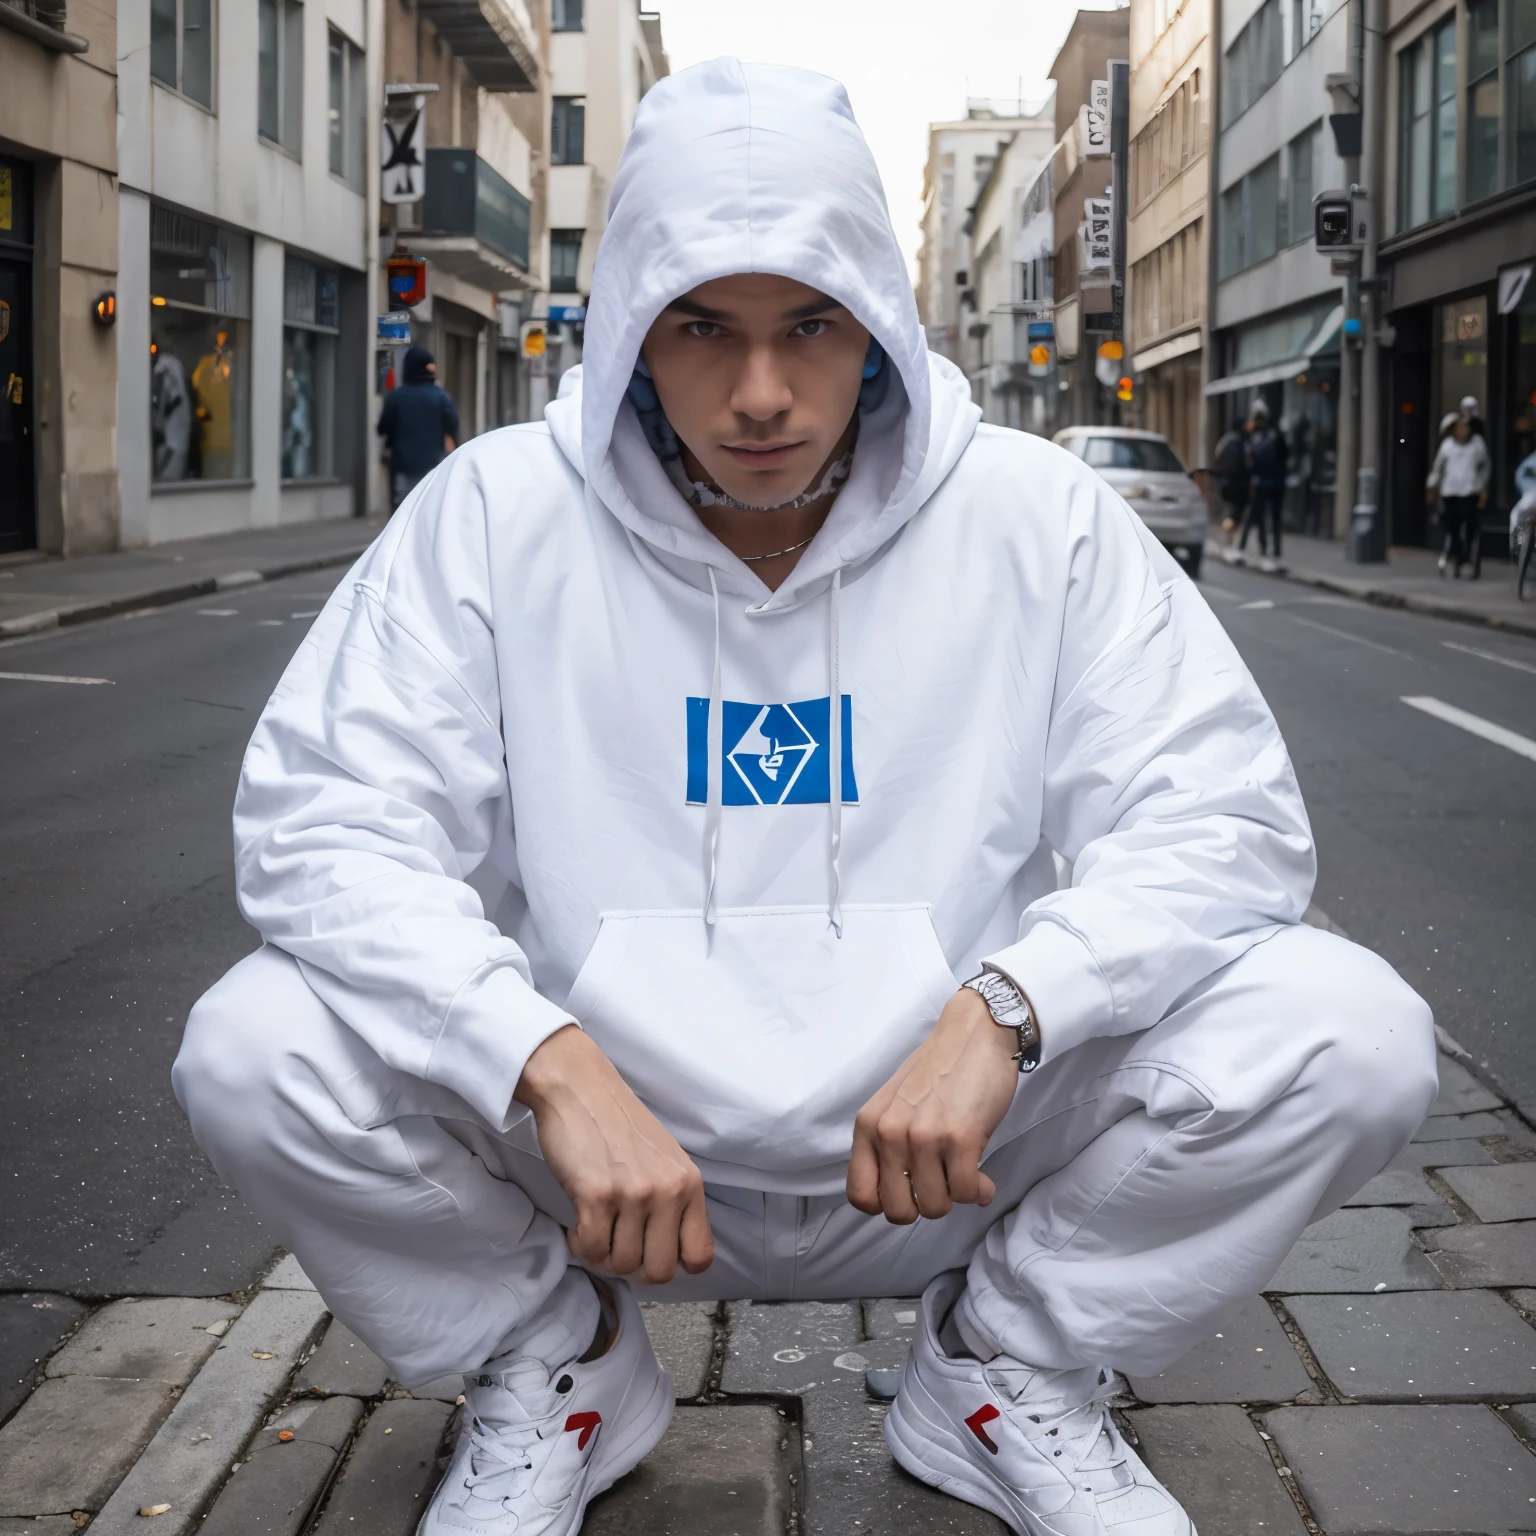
[{"x": 758, "y": 1044}]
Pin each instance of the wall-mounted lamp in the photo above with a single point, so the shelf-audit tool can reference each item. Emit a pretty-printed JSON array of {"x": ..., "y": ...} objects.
[{"x": 104, "y": 311}]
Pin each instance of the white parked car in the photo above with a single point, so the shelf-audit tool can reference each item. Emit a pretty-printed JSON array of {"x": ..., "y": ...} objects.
[{"x": 1144, "y": 469}]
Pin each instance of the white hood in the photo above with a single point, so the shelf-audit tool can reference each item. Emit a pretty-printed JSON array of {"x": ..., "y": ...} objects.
[
  {"x": 546, "y": 682},
  {"x": 736, "y": 168}
]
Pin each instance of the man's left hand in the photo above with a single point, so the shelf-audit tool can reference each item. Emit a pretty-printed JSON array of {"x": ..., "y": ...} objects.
[{"x": 917, "y": 1144}]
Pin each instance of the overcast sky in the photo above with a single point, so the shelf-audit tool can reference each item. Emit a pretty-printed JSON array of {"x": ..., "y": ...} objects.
[{"x": 906, "y": 63}]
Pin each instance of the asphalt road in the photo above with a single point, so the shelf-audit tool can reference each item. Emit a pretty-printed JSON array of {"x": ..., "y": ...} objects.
[{"x": 117, "y": 908}]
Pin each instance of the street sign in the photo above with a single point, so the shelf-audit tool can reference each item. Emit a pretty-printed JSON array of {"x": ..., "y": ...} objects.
[
  {"x": 403, "y": 153},
  {"x": 1098, "y": 234},
  {"x": 567, "y": 313},
  {"x": 395, "y": 328}
]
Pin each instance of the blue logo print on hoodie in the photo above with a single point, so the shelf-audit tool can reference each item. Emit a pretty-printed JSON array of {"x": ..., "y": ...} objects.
[{"x": 772, "y": 754}]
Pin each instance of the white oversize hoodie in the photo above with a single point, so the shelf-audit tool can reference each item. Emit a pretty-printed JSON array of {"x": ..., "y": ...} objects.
[{"x": 547, "y": 670}]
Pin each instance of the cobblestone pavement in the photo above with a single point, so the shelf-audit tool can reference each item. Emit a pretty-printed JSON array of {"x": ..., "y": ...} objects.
[{"x": 1387, "y": 1383}]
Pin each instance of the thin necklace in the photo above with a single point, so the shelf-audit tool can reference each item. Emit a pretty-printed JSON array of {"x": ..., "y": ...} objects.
[{"x": 748, "y": 559}]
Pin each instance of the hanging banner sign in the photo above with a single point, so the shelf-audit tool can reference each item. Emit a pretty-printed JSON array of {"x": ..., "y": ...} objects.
[{"x": 403, "y": 152}]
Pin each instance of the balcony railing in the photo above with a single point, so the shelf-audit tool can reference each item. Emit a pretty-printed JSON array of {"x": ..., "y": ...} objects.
[{"x": 465, "y": 196}]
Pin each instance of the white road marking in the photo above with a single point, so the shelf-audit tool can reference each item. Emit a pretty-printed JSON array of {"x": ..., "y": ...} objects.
[
  {"x": 277, "y": 622},
  {"x": 217, "y": 613},
  {"x": 1263, "y": 602},
  {"x": 49, "y": 677},
  {"x": 308, "y": 613},
  {"x": 1476, "y": 725},
  {"x": 1503, "y": 661},
  {"x": 1345, "y": 634}
]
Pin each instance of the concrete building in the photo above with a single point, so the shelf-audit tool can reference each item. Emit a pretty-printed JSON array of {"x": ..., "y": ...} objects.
[
  {"x": 1459, "y": 225},
  {"x": 1276, "y": 307},
  {"x": 961, "y": 155},
  {"x": 995, "y": 343},
  {"x": 481, "y": 224},
  {"x": 245, "y": 312},
  {"x": 1081, "y": 172},
  {"x": 1167, "y": 265},
  {"x": 58, "y": 251},
  {"x": 604, "y": 55}
]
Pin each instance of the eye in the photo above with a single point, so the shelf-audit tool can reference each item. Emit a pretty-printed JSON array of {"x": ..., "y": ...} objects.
[
  {"x": 703, "y": 329},
  {"x": 810, "y": 328}
]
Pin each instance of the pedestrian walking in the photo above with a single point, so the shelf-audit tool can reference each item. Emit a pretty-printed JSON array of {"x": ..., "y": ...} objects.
[
  {"x": 1267, "y": 458},
  {"x": 1232, "y": 482},
  {"x": 419, "y": 424},
  {"x": 1459, "y": 478},
  {"x": 762, "y": 680}
]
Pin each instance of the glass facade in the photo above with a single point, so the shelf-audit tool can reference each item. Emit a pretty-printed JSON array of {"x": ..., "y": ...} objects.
[
  {"x": 200, "y": 306},
  {"x": 1427, "y": 121},
  {"x": 311, "y": 325},
  {"x": 181, "y": 47}
]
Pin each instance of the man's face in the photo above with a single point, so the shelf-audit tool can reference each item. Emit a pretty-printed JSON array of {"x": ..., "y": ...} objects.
[{"x": 759, "y": 376}]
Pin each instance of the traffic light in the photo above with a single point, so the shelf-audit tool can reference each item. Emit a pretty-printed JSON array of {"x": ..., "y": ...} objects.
[{"x": 1126, "y": 389}]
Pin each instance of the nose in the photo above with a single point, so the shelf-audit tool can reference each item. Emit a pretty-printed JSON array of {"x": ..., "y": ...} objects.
[{"x": 762, "y": 389}]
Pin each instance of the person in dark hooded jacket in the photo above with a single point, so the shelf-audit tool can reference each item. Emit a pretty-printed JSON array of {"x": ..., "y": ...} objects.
[{"x": 419, "y": 423}]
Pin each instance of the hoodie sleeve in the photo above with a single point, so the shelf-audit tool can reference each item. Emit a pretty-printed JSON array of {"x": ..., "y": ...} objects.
[
  {"x": 1166, "y": 785},
  {"x": 374, "y": 784}
]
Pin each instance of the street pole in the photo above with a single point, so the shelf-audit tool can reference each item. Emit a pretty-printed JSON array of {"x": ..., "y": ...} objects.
[
  {"x": 1368, "y": 520},
  {"x": 1120, "y": 185}
]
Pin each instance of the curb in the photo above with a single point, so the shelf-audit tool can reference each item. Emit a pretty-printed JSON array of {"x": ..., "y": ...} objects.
[
  {"x": 1381, "y": 597},
  {"x": 160, "y": 597}
]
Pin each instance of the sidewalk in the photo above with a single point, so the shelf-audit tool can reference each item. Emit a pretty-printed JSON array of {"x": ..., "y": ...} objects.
[
  {"x": 37, "y": 594},
  {"x": 1385, "y": 1383},
  {"x": 1409, "y": 579}
]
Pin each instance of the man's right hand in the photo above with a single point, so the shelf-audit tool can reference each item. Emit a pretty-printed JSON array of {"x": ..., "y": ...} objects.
[{"x": 639, "y": 1197}]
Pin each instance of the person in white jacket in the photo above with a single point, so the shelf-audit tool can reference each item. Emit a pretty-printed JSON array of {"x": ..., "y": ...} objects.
[
  {"x": 625, "y": 828},
  {"x": 1459, "y": 478}
]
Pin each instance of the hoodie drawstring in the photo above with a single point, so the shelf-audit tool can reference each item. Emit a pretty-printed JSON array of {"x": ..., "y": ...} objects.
[
  {"x": 715, "y": 760},
  {"x": 835, "y": 752},
  {"x": 714, "y": 748}
]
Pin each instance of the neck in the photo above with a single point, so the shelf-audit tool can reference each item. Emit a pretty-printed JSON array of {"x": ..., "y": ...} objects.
[{"x": 755, "y": 534}]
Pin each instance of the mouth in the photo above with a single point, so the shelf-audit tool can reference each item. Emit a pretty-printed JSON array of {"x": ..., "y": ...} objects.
[{"x": 762, "y": 455}]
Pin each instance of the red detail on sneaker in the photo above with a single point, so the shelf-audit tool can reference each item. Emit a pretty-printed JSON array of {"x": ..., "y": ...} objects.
[
  {"x": 588, "y": 1422},
  {"x": 983, "y": 1415}
]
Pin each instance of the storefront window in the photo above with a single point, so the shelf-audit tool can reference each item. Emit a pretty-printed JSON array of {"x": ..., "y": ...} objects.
[
  {"x": 1522, "y": 403},
  {"x": 1461, "y": 357},
  {"x": 311, "y": 323},
  {"x": 200, "y": 298}
]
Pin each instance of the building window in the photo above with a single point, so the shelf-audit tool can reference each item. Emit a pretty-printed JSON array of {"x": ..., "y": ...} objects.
[
  {"x": 311, "y": 324},
  {"x": 568, "y": 131},
  {"x": 181, "y": 47},
  {"x": 199, "y": 330},
  {"x": 1301, "y": 182},
  {"x": 1427, "y": 127},
  {"x": 1253, "y": 62},
  {"x": 564, "y": 259},
  {"x": 1175, "y": 136},
  {"x": 565, "y": 15},
  {"x": 348, "y": 108},
  {"x": 1522, "y": 72},
  {"x": 280, "y": 72}
]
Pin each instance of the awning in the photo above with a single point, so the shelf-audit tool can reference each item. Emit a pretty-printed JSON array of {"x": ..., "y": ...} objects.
[
  {"x": 1276, "y": 373},
  {"x": 1166, "y": 351}
]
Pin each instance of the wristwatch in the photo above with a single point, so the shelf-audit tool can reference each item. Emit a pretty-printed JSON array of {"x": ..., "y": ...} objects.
[{"x": 1009, "y": 1008}]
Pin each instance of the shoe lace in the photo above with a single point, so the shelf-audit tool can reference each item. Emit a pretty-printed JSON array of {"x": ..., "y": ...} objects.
[
  {"x": 504, "y": 1456},
  {"x": 1081, "y": 1427}
]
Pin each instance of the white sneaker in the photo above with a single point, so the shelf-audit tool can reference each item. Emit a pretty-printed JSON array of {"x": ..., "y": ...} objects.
[
  {"x": 1269, "y": 566},
  {"x": 535, "y": 1448},
  {"x": 1036, "y": 1447}
]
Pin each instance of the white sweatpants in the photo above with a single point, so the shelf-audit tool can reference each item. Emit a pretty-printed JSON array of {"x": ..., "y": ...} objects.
[{"x": 1147, "y": 1181}]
